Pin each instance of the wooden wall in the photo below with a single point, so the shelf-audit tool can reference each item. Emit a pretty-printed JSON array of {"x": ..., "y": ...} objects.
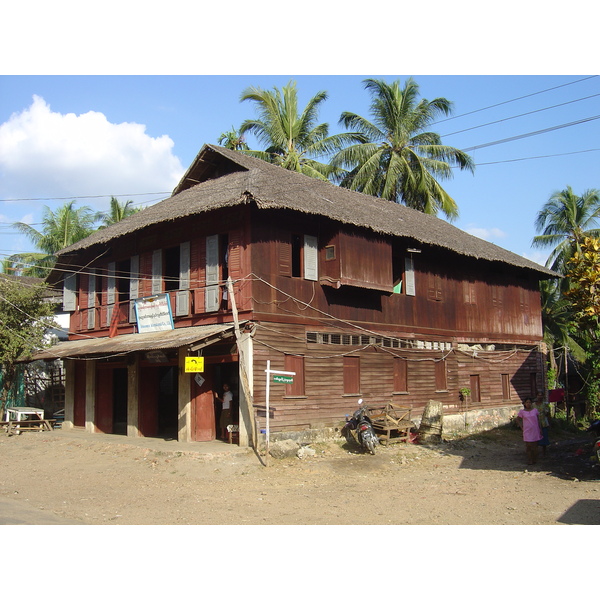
[{"x": 325, "y": 404}]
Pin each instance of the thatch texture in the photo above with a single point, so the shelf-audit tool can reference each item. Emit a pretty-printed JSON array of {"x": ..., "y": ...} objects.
[{"x": 228, "y": 178}]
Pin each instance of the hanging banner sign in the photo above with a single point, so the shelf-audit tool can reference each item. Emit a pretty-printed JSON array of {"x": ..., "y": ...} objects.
[
  {"x": 154, "y": 313},
  {"x": 194, "y": 364}
]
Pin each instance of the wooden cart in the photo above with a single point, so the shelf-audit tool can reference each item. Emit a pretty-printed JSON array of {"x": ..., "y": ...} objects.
[{"x": 391, "y": 423}]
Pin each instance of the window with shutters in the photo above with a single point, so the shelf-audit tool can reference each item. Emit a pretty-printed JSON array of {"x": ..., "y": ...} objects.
[
  {"x": 300, "y": 257},
  {"x": 404, "y": 275},
  {"x": 351, "y": 375},
  {"x": 434, "y": 289}
]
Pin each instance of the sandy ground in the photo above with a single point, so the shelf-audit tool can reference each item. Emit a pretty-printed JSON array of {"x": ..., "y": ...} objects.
[{"x": 74, "y": 477}]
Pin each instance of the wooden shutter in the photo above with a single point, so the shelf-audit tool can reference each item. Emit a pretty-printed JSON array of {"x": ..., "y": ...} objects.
[
  {"x": 434, "y": 290},
  {"x": 182, "y": 298},
  {"x": 184, "y": 266},
  {"x": 134, "y": 285},
  {"x": 211, "y": 297},
  {"x": 351, "y": 375},
  {"x": 70, "y": 292},
  {"x": 157, "y": 272},
  {"x": 111, "y": 287},
  {"x": 400, "y": 375},
  {"x": 440, "y": 376},
  {"x": 409, "y": 275},
  {"x": 91, "y": 316},
  {"x": 295, "y": 364},
  {"x": 285, "y": 256},
  {"x": 311, "y": 258}
]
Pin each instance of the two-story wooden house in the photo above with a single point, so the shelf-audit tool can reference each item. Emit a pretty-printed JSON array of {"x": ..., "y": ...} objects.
[{"x": 358, "y": 296}]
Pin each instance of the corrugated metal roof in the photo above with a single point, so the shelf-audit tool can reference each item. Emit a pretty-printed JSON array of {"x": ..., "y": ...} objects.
[{"x": 134, "y": 342}]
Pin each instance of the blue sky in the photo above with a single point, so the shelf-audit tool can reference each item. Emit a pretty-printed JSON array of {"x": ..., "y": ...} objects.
[{"x": 132, "y": 136}]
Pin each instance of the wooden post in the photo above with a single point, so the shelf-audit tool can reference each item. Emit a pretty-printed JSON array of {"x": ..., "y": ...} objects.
[
  {"x": 133, "y": 373},
  {"x": 184, "y": 386},
  {"x": 90, "y": 396},
  {"x": 248, "y": 419}
]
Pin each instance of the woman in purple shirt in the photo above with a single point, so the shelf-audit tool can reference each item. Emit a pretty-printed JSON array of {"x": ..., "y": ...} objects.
[{"x": 528, "y": 420}]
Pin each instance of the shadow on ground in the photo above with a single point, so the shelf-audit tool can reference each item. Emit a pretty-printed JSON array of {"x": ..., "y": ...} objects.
[{"x": 569, "y": 455}]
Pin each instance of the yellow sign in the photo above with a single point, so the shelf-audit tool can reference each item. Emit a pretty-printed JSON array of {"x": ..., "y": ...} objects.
[{"x": 194, "y": 364}]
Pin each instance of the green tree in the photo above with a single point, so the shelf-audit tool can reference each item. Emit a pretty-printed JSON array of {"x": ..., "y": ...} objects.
[
  {"x": 117, "y": 212},
  {"x": 60, "y": 229},
  {"x": 25, "y": 315},
  {"x": 584, "y": 293},
  {"x": 291, "y": 139},
  {"x": 398, "y": 158},
  {"x": 563, "y": 222},
  {"x": 557, "y": 321},
  {"x": 233, "y": 140}
]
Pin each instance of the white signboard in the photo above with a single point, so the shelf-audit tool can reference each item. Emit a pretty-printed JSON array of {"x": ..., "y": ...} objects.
[{"x": 154, "y": 313}]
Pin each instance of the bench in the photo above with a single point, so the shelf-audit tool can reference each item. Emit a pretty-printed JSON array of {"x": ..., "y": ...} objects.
[
  {"x": 16, "y": 427},
  {"x": 392, "y": 423}
]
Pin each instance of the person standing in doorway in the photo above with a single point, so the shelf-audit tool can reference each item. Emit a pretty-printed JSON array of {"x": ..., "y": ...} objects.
[
  {"x": 543, "y": 409},
  {"x": 529, "y": 422},
  {"x": 225, "y": 420}
]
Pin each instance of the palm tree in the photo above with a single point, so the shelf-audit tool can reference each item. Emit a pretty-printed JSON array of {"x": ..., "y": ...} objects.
[
  {"x": 60, "y": 229},
  {"x": 399, "y": 159},
  {"x": 564, "y": 221},
  {"x": 291, "y": 139},
  {"x": 118, "y": 211},
  {"x": 233, "y": 140},
  {"x": 557, "y": 319}
]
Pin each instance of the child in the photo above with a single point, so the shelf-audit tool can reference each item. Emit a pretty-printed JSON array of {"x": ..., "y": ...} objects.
[{"x": 529, "y": 421}]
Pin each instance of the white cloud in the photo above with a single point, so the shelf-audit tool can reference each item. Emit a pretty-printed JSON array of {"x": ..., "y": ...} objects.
[
  {"x": 537, "y": 257},
  {"x": 487, "y": 234},
  {"x": 48, "y": 154}
]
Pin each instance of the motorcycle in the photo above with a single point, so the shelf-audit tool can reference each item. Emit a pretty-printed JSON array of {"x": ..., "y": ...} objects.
[
  {"x": 360, "y": 428},
  {"x": 595, "y": 429}
]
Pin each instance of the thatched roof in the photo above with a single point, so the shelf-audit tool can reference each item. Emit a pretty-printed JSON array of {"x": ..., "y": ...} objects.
[{"x": 220, "y": 178}]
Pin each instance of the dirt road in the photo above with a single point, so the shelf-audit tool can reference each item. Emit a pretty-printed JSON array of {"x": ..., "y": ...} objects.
[{"x": 482, "y": 480}]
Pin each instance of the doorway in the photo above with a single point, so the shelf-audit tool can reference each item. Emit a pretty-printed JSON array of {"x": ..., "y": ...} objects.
[
  {"x": 119, "y": 395},
  {"x": 227, "y": 373},
  {"x": 168, "y": 410}
]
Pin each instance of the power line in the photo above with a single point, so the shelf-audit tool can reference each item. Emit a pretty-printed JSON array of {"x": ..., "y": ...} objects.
[
  {"x": 532, "y": 133},
  {"x": 83, "y": 197},
  {"x": 497, "y": 162},
  {"x": 521, "y": 115},
  {"x": 515, "y": 99}
]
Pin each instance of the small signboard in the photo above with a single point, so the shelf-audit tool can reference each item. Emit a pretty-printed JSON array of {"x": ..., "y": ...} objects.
[
  {"x": 154, "y": 313},
  {"x": 283, "y": 379},
  {"x": 194, "y": 364}
]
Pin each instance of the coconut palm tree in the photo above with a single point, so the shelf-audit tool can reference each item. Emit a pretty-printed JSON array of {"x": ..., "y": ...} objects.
[
  {"x": 291, "y": 139},
  {"x": 118, "y": 211},
  {"x": 564, "y": 221},
  {"x": 557, "y": 320},
  {"x": 400, "y": 160},
  {"x": 233, "y": 140},
  {"x": 60, "y": 229}
]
